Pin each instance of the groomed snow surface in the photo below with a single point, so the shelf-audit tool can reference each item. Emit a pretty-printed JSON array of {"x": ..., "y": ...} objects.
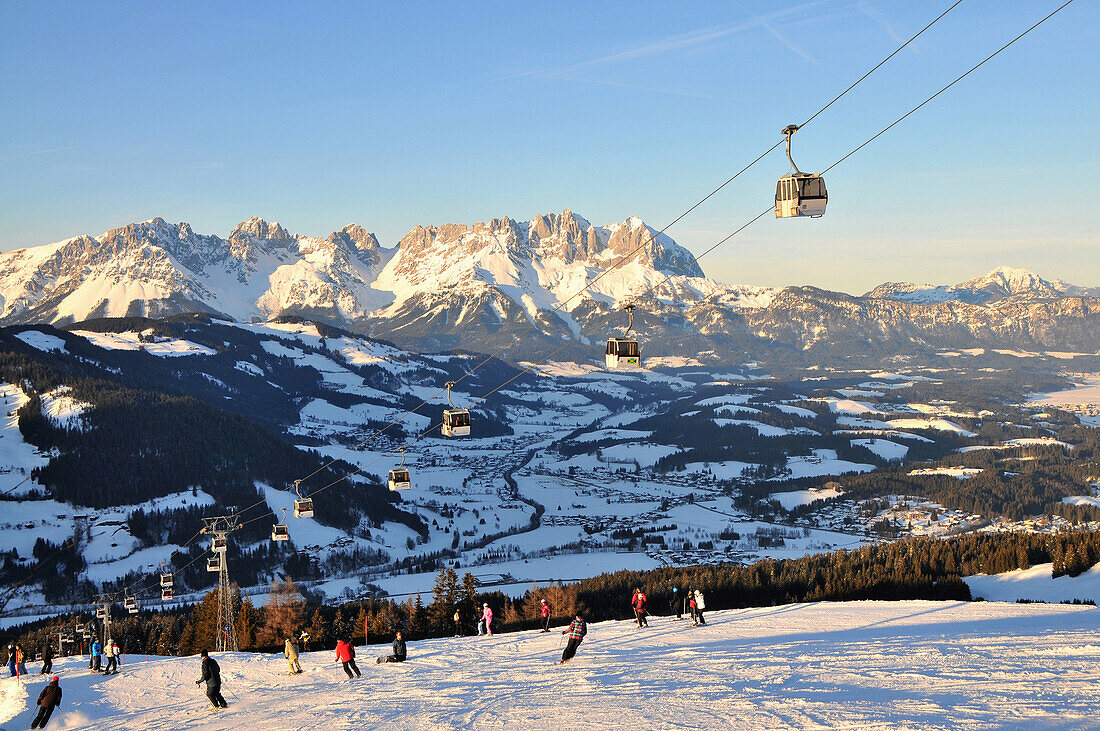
[{"x": 867, "y": 665}]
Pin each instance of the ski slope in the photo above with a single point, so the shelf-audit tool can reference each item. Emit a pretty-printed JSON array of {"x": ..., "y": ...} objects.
[{"x": 880, "y": 665}]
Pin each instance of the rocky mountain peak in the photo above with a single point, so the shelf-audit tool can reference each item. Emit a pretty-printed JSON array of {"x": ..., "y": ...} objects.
[{"x": 261, "y": 229}]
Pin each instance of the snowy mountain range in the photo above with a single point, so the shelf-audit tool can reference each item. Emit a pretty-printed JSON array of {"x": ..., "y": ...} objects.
[{"x": 484, "y": 286}]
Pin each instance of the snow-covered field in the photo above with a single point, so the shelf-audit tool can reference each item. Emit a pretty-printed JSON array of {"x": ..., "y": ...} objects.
[{"x": 867, "y": 665}]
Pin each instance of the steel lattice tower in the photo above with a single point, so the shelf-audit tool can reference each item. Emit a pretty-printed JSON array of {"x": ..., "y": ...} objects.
[{"x": 226, "y": 640}]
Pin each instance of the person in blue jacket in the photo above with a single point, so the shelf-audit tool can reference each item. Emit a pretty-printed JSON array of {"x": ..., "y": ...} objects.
[{"x": 97, "y": 657}]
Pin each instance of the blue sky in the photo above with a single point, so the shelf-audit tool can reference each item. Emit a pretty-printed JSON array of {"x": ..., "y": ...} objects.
[{"x": 397, "y": 114}]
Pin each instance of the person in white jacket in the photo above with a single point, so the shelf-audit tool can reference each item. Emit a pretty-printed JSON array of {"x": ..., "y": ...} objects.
[
  {"x": 700, "y": 605},
  {"x": 110, "y": 649}
]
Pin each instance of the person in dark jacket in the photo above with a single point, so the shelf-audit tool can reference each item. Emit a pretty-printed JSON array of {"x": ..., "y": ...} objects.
[
  {"x": 48, "y": 699},
  {"x": 345, "y": 654},
  {"x": 47, "y": 660},
  {"x": 676, "y": 604},
  {"x": 577, "y": 630},
  {"x": 212, "y": 676},
  {"x": 399, "y": 651}
]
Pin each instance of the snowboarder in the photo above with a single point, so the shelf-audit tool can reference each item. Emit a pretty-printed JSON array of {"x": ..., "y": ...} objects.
[
  {"x": 345, "y": 654},
  {"x": 399, "y": 651},
  {"x": 97, "y": 657},
  {"x": 48, "y": 699},
  {"x": 303, "y": 641},
  {"x": 485, "y": 626},
  {"x": 544, "y": 612},
  {"x": 700, "y": 605},
  {"x": 577, "y": 630},
  {"x": 676, "y": 604},
  {"x": 212, "y": 676},
  {"x": 112, "y": 663},
  {"x": 47, "y": 659},
  {"x": 291, "y": 651},
  {"x": 638, "y": 602}
]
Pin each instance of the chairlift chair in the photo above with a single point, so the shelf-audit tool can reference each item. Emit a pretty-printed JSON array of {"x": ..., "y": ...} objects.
[
  {"x": 623, "y": 352},
  {"x": 131, "y": 605},
  {"x": 303, "y": 506},
  {"x": 80, "y": 628},
  {"x": 279, "y": 531},
  {"x": 399, "y": 476},
  {"x": 799, "y": 194},
  {"x": 100, "y": 613},
  {"x": 456, "y": 421}
]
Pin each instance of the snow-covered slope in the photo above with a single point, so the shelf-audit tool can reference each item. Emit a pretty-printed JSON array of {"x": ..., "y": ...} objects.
[{"x": 902, "y": 665}]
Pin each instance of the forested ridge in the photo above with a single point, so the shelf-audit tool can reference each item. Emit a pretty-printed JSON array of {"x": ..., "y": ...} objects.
[{"x": 922, "y": 568}]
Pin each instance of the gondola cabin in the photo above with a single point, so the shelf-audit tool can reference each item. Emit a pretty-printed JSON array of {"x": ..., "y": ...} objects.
[
  {"x": 218, "y": 544},
  {"x": 303, "y": 508},
  {"x": 213, "y": 564},
  {"x": 800, "y": 195},
  {"x": 166, "y": 581},
  {"x": 166, "y": 595},
  {"x": 622, "y": 353},
  {"x": 279, "y": 532},
  {"x": 399, "y": 479},
  {"x": 456, "y": 423}
]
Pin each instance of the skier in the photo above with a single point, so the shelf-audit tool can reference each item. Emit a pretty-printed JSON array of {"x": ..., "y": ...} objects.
[
  {"x": 303, "y": 641},
  {"x": 47, "y": 659},
  {"x": 20, "y": 659},
  {"x": 485, "y": 626},
  {"x": 399, "y": 651},
  {"x": 212, "y": 676},
  {"x": 577, "y": 630},
  {"x": 11, "y": 660},
  {"x": 48, "y": 699},
  {"x": 638, "y": 602},
  {"x": 693, "y": 609},
  {"x": 345, "y": 654},
  {"x": 112, "y": 663},
  {"x": 118, "y": 655},
  {"x": 544, "y": 612},
  {"x": 458, "y": 621},
  {"x": 700, "y": 605},
  {"x": 291, "y": 651},
  {"x": 675, "y": 604},
  {"x": 97, "y": 659}
]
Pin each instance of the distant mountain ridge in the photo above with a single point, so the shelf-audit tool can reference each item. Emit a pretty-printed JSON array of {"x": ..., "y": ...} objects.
[{"x": 548, "y": 281}]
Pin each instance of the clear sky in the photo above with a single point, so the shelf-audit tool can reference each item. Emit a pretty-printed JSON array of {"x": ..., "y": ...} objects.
[{"x": 397, "y": 114}]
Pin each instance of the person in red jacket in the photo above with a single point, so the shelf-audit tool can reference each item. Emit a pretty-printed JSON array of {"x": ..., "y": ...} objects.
[
  {"x": 49, "y": 699},
  {"x": 638, "y": 602},
  {"x": 345, "y": 654},
  {"x": 544, "y": 612}
]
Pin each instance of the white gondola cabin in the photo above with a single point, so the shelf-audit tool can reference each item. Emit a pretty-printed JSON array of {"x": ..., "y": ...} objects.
[
  {"x": 166, "y": 581},
  {"x": 303, "y": 508},
  {"x": 622, "y": 353},
  {"x": 456, "y": 422},
  {"x": 399, "y": 479},
  {"x": 218, "y": 544},
  {"x": 166, "y": 595},
  {"x": 279, "y": 532},
  {"x": 799, "y": 195},
  {"x": 214, "y": 564}
]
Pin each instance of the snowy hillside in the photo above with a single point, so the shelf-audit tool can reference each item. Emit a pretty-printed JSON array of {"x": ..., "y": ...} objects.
[{"x": 901, "y": 665}]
